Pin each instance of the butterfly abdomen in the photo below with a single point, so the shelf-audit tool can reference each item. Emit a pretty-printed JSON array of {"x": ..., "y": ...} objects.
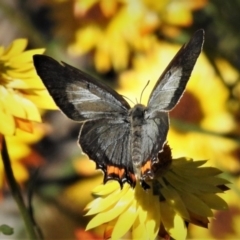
[{"x": 137, "y": 122}]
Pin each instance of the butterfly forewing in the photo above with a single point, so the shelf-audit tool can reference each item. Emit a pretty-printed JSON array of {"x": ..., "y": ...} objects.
[
  {"x": 171, "y": 84},
  {"x": 77, "y": 94}
]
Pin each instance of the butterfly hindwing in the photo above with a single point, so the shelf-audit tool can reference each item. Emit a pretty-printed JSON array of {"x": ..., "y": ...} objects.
[
  {"x": 107, "y": 142},
  {"x": 77, "y": 94},
  {"x": 171, "y": 84}
]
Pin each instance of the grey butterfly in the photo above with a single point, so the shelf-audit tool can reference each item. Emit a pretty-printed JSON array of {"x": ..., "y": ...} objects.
[{"x": 123, "y": 141}]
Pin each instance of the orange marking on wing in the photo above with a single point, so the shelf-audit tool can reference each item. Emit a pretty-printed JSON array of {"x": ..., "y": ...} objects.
[
  {"x": 110, "y": 169},
  {"x": 121, "y": 172},
  {"x": 116, "y": 171},
  {"x": 146, "y": 166}
]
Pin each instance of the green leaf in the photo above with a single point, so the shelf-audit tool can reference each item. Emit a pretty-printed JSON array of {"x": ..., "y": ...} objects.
[{"x": 6, "y": 230}]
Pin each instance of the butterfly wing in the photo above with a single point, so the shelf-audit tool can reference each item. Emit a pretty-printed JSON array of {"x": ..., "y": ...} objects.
[
  {"x": 153, "y": 137},
  {"x": 76, "y": 93},
  {"x": 102, "y": 112},
  {"x": 108, "y": 141},
  {"x": 171, "y": 84},
  {"x": 166, "y": 94}
]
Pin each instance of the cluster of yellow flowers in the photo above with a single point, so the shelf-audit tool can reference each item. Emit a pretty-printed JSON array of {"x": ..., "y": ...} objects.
[{"x": 21, "y": 95}]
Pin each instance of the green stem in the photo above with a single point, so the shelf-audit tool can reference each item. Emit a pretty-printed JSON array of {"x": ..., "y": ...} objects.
[{"x": 16, "y": 192}]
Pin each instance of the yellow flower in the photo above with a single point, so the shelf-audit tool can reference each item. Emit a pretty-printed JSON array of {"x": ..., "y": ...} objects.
[
  {"x": 21, "y": 94},
  {"x": 21, "y": 91},
  {"x": 113, "y": 43},
  {"x": 181, "y": 191},
  {"x": 21, "y": 154},
  {"x": 116, "y": 30}
]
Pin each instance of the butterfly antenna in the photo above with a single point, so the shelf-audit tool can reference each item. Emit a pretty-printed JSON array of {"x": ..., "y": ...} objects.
[{"x": 143, "y": 90}]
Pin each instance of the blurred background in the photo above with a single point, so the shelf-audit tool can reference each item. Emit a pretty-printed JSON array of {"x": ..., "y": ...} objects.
[{"x": 125, "y": 44}]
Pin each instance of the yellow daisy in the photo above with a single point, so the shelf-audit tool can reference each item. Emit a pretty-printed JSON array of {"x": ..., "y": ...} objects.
[
  {"x": 114, "y": 31},
  {"x": 182, "y": 191},
  {"x": 21, "y": 91}
]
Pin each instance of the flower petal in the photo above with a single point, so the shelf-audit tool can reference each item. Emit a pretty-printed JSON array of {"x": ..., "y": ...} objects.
[
  {"x": 7, "y": 123},
  {"x": 139, "y": 230},
  {"x": 24, "y": 58},
  {"x": 107, "y": 202},
  {"x": 172, "y": 222},
  {"x": 214, "y": 201},
  {"x": 174, "y": 200},
  {"x": 125, "y": 222},
  {"x": 195, "y": 205},
  {"x": 24, "y": 125},
  {"x": 102, "y": 190},
  {"x": 112, "y": 213},
  {"x": 179, "y": 231},
  {"x": 15, "y": 48}
]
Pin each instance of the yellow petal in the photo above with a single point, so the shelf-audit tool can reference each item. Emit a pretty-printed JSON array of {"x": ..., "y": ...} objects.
[
  {"x": 15, "y": 48},
  {"x": 86, "y": 39},
  {"x": 19, "y": 150},
  {"x": 7, "y": 123},
  {"x": 42, "y": 99},
  {"x": 215, "y": 181},
  {"x": 111, "y": 214},
  {"x": 196, "y": 205},
  {"x": 31, "y": 111},
  {"x": 106, "y": 189},
  {"x": 125, "y": 222},
  {"x": 139, "y": 231},
  {"x": 93, "y": 203},
  {"x": 31, "y": 82},
  {"x": 24, "y": 58},
  {"x": 150, "y": 228},
  {"x": 179, "y": 230},
  {"x": 193, "y": 184},
  {"x": 142, "y": 214},
  {"x": 154, "y": 214},
  {"x": 199, "y": 172},
  {"x": 10, "y": 103},
  {"x": 167, "y": 215},
  {"x": 20, "y": 172},
  {"x": 180, "y": 183},
  {"x": 24, "y": 125},
  {"x": 119, "y": 54},
  {"x": 214, "y": 201},
  {"x": 17, "y": 84},
  {"x": 102, "y": 60},
  {"x": 107, "y": 202},
  {"x": 174, "y": 200},
  {"x": 22, "y": 75}
]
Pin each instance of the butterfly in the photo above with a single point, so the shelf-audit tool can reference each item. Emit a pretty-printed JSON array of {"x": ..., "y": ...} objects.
[{"x": 123, "y": 141}]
